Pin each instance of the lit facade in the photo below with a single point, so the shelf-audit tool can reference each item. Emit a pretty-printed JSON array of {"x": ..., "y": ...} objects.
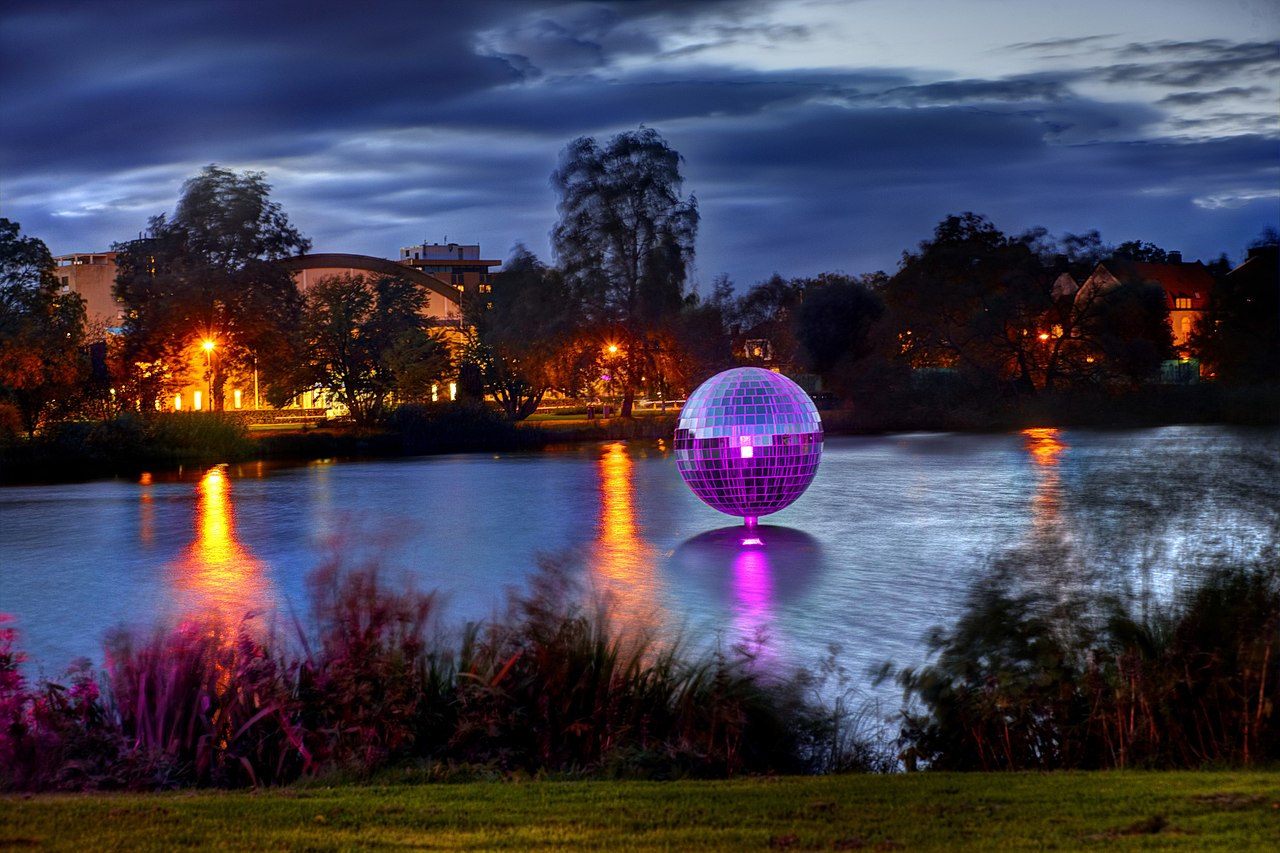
[
  {"x": 459, "y": 265},
  {"x": 93, "y": 276},
  {"x": 1187, "y": 288}
]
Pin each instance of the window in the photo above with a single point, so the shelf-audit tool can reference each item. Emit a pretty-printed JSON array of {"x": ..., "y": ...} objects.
[{"x": 1182, "y": 303}]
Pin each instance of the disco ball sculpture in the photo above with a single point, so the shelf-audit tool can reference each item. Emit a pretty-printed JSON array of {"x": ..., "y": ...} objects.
[{"x": 748, "y": 442}]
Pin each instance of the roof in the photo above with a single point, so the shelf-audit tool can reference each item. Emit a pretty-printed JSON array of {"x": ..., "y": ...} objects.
[
  {"x": 1179, "y": 281},
  {"x": 368, "y": 263}
]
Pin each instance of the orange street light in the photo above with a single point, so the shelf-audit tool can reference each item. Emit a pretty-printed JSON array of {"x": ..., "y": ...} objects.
[
  {"x": 208, "y": 364},
  {"x": 613, "y": 349}
]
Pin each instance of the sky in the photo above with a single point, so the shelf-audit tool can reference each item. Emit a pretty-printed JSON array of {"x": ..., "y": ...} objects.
[{"x": 817, "y": 135}]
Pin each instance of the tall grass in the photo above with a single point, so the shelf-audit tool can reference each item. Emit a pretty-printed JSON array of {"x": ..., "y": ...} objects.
[
  {"x": 1028, "y": 679},
  {"x": 374, "y": 681}
]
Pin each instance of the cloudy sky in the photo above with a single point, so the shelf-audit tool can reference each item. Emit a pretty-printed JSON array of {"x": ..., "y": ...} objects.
[{"x": 818, "y": 134}]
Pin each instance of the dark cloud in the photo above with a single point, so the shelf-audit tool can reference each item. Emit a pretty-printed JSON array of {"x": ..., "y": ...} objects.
[{"x": 391, "y": 121}]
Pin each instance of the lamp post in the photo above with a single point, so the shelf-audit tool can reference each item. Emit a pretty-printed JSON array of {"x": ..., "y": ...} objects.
[{"x": 208, "y": 365}]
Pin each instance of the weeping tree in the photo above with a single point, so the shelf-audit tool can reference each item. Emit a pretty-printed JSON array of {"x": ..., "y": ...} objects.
[
  {"x": 624, "y": 242},
  {"x": 209, "y": 273}
]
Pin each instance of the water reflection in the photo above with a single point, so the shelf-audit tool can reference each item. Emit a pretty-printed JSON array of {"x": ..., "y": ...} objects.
[
  {"x": 217, "y": 576},
  {"x": 623, "y": 557},
  {"x": 1046, "y": 447},
  {"x": 754, "y": 572}
]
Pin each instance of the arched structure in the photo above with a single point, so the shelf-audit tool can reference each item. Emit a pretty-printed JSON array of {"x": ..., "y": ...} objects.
[{"x": 442, "y": 298}]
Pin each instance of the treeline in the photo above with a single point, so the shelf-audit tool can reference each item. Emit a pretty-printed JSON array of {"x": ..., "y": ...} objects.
[{"x": 972, "y": 318}]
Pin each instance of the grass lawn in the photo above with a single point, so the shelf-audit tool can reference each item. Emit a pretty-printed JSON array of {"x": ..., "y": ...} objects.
[{"x": 1232, "y": 811}]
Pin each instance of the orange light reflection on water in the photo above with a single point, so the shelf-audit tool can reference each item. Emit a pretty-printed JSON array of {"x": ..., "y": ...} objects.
[
  {"x": 218, "y": 576},
  {"x": 1046, "y": 447},
  {"x": 623, "y": 565}
]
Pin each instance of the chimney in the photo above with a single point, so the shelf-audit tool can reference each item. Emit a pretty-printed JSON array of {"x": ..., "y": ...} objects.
[{"x": 1175, "y": 257}]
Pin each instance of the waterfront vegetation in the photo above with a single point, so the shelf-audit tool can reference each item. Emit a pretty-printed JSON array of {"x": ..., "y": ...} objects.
[
  {"x": 1204, "y": 811},
  {"x": 373, "y": 684}
]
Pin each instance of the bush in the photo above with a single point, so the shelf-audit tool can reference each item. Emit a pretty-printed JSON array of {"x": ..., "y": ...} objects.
[
  {"x": 1028, "y": 679},
  {"x": 372, "y": 683}
]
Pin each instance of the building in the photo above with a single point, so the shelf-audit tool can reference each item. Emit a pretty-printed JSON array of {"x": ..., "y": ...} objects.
[
  {"x": 1187, "y": 289},
  {"x": 459, "y": 265},
  {"x": 93, "y": 276},
  {"x": 442, "y": 307}
]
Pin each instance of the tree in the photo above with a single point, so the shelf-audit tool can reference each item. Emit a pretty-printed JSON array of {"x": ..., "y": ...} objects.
[
  {"x": 366, "y": 343},
  {"x": 42, "y": 362},
  {"x": 834, "y": 323},
  {"x": 624, "y": 242},
  {"x": 1238, "y": 339},
  {"x": 209, "y": 274},
  {"x": 766, "y": 320},
  {"x": 522, "y": 328},
  {"x": 971, "y": 299}
]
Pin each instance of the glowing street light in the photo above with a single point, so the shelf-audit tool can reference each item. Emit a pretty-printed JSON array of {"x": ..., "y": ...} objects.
[{"x": 208, "y": 364}]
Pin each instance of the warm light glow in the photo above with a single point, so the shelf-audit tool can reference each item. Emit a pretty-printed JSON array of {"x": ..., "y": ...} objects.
[
  {"x": 1044, "y": 336},
  {"x": 177, "y": 402},
  {"x": 237, "y": 396},
  {"x": 195, "y": 400},
  {"x": 435, "y": 393},
  {"x": 208, "y": 345},
  {"x": 453, "y": 390},
  {"x": 613, "y": 349},
  {"x": 624, "y": 561},
  {"x": 1046, "y": 448},
  {"x": 219, "y": 574}
]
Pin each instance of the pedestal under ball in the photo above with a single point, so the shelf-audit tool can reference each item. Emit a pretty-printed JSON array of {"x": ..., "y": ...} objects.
[{"x": 748, "y": 442}]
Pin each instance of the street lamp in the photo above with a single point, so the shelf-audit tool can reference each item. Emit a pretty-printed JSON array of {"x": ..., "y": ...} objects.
[{"x": 208, "y": 365}]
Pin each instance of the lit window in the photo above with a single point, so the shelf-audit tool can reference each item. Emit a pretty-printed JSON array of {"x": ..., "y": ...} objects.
[
  {"x": 195, "y": 401},
  {"x": 177, "y": 402},
  {"x": 237, "y": 393},
  {"x": 453, "y": 390}
]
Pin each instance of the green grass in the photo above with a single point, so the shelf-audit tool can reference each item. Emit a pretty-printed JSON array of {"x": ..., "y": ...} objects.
[{"x": 929, "y": 811}]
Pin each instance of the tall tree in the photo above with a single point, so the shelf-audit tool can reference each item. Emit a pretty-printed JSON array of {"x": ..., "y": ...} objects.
[
  {"x": 209, "y": 274},
  {"x": 367, "y": 344},
  {"x": 624, "y": 241},
  {"x": 522, "y": 328},
  {"x": 42, "y": 362}
]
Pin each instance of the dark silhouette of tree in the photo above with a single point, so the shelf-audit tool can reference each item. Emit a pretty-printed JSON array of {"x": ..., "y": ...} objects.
[
  {"x": 765, "y": 317},
  {"x": 367, "y": 345},
  {"x": 208, "y": 273},
  {"x": 971, "y": 299},
  {"x": 522, "y": 328},
  {"x": 1136, "y": 250},
  {"x": 624, "y": 241},
  {"x": 834, "y": 324},
  {"x": 1238, "y": 339},
  {"x": 42, "y": 363}
]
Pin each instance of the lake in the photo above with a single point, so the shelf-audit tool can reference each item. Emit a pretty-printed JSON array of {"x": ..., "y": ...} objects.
[{"x": 881, "y": 547}]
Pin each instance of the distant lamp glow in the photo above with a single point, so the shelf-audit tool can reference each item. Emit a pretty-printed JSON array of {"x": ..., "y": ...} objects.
[
  {"x": 613, "y": 349},
  {"x": 208, "y": 346},
  {"x": 748, "y": 442}
]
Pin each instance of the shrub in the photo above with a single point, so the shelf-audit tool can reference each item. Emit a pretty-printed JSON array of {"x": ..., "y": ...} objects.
[{"x": 1028, "y": 679}]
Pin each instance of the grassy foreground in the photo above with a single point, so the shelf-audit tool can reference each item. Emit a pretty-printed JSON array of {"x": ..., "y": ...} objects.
[{"x": 928, "y": 811}]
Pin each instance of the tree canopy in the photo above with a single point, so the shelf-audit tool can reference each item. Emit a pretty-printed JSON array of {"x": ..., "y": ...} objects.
[
  {"x": 209, "y": 274},
  {"x": 41, "y": 329},
  {"x": 624, "y": 241}
]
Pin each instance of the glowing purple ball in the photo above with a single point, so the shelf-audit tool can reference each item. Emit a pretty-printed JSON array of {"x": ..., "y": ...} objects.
[{"x": 748, "y": 442}]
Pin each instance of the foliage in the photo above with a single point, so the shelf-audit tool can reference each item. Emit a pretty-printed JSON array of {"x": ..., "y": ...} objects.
[
  {"x": 835, "y": 322},
  {"x": 366, "y": 343},
  {"x": 42, "y": 363},
  {"x": 624, "y": 241},
  {"x": 1032, "y": 679},
  {"x": 209, "y": 274},
  {"x": 373, "y": 682},
  {"x": 1239, "y": 342},
  {"x": 524, "y": 328}
]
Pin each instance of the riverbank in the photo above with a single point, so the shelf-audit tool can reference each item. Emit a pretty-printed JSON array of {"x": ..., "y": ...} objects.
[
  {"x": 130, "y": 444},
  {"x": 1201, "y": 811}
]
